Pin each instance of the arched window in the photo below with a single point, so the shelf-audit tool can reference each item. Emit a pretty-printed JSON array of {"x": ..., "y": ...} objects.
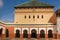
[
  {"x": 33, "y": 16},
  {"x": 33, "y": 33},
  {"x": 29, "y": 16},
  {"x": 17, "y": 33},
  {"x": 38, "y": 16},
  {"x": 50, "y": 34},
  {"x": 25, "y": 34},
  {"x": 42, "y": 16},
  {"x": 7, "y": 33},
  {"x": 25, "y": 17},
  {"x": 42, "y": 34}
]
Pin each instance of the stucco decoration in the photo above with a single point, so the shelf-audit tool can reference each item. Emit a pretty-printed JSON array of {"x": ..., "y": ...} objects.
[
  {"x": 25, "y": 29},
  {"x": 17, "y": 29},
  {"x": 32, "y": 29},
  {"x": 50, "y": 29},
  {"x": 42, "y": 29}
]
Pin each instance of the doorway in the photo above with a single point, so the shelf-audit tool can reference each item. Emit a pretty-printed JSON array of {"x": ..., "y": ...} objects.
[
  {"x": 17, "y": 33},
  {"x": 33, "y": 33},
  {"x": 42, "y": 34},
  {"x": 25, "y": 34},
  {"x": 50, "y": 34}
]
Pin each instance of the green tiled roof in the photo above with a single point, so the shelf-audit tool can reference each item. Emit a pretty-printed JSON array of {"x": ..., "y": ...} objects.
[{"x": 34, "y": 4}]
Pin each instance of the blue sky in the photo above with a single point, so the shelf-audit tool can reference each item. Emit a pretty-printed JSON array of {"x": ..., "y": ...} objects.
[{"x": 7, "y": 8}]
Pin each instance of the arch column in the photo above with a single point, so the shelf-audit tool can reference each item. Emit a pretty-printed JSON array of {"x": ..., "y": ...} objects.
[
  {"x": 46, "y": 35},
  {"x": 21, "y": 35},
  {"x": 29, "y": 35},
  {"x": 38, "y": 35}
]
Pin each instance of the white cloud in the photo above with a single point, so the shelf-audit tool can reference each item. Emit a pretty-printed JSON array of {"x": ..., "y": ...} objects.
[{"x": 1, "y": 3}]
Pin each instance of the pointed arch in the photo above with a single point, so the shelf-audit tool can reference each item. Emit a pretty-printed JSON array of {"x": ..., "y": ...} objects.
[
  {"x": 50, "y": 34},
  {"x": 25, "y": 34},
  {"x": 42, "y": 34},
  {"x": 17, "y": 33},
  {"x": 33, "y": 33}
]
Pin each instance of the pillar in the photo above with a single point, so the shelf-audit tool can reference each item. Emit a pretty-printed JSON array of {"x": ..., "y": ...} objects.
[
  {"x": 29, "y": 36},
  {"x": 46, "y": 34},
  {"x": 21, "y": 35},
  {"x": 38, "y": 36}
]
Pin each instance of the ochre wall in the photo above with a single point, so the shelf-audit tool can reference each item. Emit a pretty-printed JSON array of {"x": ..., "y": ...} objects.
[{"x": 20, "y": 13}]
